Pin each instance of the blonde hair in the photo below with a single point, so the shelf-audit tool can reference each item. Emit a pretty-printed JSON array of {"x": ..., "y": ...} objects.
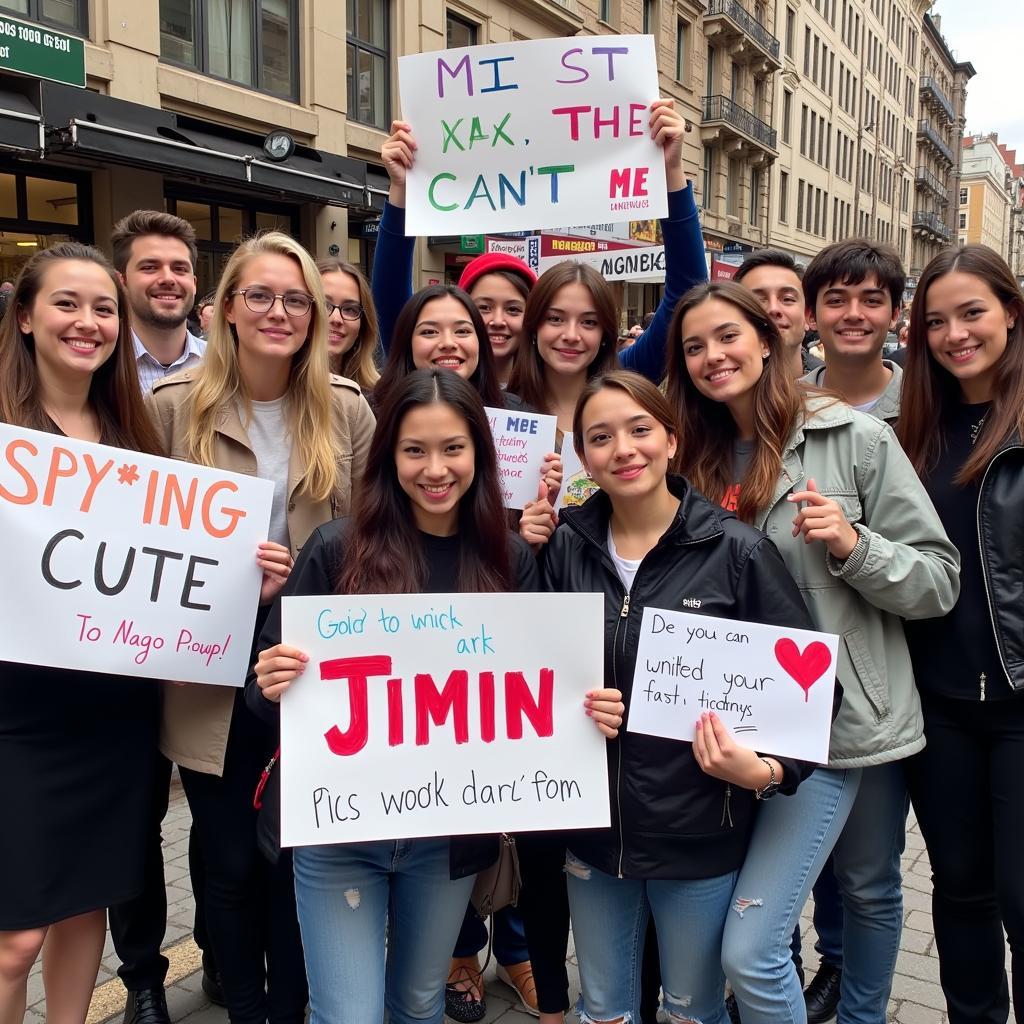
[{"x": 218, "y": 380}]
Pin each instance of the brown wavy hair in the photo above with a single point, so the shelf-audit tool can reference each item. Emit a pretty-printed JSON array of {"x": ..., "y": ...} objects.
[
  {"x": 359, "y": 362},
  {"x": 114, "y": 392},
  {"x": 529, "y": 371},
  {"x": 707, "y": 429},
  {"x": 929, "y": 390},
  {"x": 383, "y": 553}
]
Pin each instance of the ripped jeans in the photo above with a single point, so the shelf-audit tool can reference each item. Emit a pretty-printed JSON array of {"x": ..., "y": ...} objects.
[
  {"x": 609, "y": 921},
  {"x": 350, "y": 897}
]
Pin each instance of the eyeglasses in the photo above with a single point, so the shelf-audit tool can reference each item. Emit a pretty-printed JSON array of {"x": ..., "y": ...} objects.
[
  {"x": 348, "y": 310},
  {"x": 261, "y": 300}
]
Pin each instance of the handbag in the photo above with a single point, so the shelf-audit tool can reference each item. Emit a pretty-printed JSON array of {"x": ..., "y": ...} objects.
[{"x": 498, "y": 886}]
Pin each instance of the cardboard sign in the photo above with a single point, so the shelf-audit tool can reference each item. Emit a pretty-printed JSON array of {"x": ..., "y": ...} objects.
[
  {"x": 577, "y": 485},
  {"x": 441, "y": 714},
  {"x": 532, "y": 134},
  {"x": 772, "y": 687},
  {"x": 522, "y": 439},
  {"x": 127, "y": 563}
]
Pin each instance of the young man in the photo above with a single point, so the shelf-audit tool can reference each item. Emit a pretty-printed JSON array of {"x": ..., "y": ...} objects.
[
  {"x": 777, "y": 281},
  {"x": 155, "y": 257},
  {"x": 853, "y": 291}
]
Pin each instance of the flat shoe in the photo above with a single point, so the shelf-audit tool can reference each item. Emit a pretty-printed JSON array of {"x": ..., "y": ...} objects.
[
  {"x": 519, "y": 977},
  {"x": 463, "y": 976}
]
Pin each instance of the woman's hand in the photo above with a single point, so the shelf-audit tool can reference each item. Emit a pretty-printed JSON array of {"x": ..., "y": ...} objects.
[
  {"x": 538, "y": 521},
  {"x": 276, "y": 667},
  {"x": 721, "y": 757},
  {"x": 605, "y": 707},
  {"x": 551, "y": 474},
  {"x": 822, "y": 519},
  {"x": 397, "y": 154},
  {"x": 668, "y": 127},
  {"x": 275, "y": 562}
]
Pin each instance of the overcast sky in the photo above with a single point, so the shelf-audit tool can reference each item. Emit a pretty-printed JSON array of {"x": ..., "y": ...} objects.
[{"x": 989, "y": 34}]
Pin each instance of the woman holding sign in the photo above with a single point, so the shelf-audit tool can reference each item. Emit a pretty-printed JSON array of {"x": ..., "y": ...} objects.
[
  {"x": 682, "y": 813},
  {"x": 965, "y": 376},
  {"x": 429, "y": 520},
  {"x": 77, "y": 747},
  {"x": 263, "y": 403},
  {"x": 831, "y": 487}
]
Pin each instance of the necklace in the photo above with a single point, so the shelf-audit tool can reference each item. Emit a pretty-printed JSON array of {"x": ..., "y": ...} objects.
[{"x": 976, "y": 429}]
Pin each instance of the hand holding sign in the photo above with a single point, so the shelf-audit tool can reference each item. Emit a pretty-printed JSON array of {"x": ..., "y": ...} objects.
[
  {"x": 667, "y": 129},
  {"x": 822, "y": 519},
  {"x": 606, "y": 709},
  {"x": 721, "y": 757},
  {"x": 277, "y": 668},
  {"x": 538, "y": 520},
  {"x": 398, "y": 153},
  {"x": 275, "y": 562}
]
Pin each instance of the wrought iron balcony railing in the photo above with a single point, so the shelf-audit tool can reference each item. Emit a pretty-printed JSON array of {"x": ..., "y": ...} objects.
[
  {"x": 734, "y": 11},
  {"x": 721, "y": 108}
]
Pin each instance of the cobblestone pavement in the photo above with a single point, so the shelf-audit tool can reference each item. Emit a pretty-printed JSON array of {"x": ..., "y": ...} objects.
[{"x": 916, "y": 996}]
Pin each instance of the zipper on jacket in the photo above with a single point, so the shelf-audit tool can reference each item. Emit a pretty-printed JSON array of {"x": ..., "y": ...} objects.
[
  {"x": 726, "y": 809},
  {"x": 618, "y": 774},
  {"x": 981, "y": 681}
]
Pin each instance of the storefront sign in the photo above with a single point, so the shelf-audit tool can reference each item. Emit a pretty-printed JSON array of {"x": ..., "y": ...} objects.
[
  {"x": 526, "y": 249},
  {"x": 41, "y": 52},
  {"x": 637, "y": 263}
]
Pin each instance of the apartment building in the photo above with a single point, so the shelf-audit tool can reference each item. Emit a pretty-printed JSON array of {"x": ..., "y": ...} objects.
[
  {"x": 942, "y": 96},
  {"x": 986, "y": 186},
  {"x": 846, "y": 117}
]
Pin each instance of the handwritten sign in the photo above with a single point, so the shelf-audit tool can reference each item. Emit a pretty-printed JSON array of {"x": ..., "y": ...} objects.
[
  {"x": 127, "y": 563},
  {"x": 532, "y": 134},
  {"x": 522, "y": 439},
  {"x": 637, "y": 263},
  {"x": 772, "y": 687},
  {"x": 441, "y": 714},
  {"x": 577, "y": 484}
]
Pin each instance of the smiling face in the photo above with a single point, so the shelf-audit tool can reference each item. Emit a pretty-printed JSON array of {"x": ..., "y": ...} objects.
[
  {"x": 435, "y": 462},
  {"x": 73, "y": 321},
  {"x": 444, "y": 338},
  {"x": 502, "y": 307},
  {"x": 967, "y": 330},
  {"x": 626, "y": 450},
  {"x": 159, "y": 281},
  {"x": 781, "y": 294},
  {"x": 341, "y": 289},
  {"x": 853, "y": 319},
  {"x": 569, "y": 335}
]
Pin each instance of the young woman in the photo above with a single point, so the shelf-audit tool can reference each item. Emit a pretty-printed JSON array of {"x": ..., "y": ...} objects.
[
  {"x": 263, "y": 402},
  {"x": 78, "y": 747},
  {"x": 681, "y": 813},
  {"x": 429, "y": 520},
  {"x": 351, "y": 323},
  {"x": 831, "y": 488},
  {"x": 962, "y": 423}
]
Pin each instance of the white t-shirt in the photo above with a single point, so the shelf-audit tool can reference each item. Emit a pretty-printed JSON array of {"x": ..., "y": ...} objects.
[
  {"x": 625, "y": 567},
  {"x": 270, "y": 438}
]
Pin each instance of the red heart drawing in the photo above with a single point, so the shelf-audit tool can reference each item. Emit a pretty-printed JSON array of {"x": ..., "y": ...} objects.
[{"x": 806, "y": 667}]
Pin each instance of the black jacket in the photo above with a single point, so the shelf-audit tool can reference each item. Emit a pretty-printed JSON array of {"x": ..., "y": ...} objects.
[
  {"x": 669, "y": 819},
  {"x": 1001, "y": 535}
]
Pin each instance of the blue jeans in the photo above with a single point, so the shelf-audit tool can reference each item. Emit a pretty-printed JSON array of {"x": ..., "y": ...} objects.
[
  {"x": 828, "y": 921},
  {"x": 609, "y": 922},
  {"x": 509, "y": 936},
  {"x": 349, "y": 897}
]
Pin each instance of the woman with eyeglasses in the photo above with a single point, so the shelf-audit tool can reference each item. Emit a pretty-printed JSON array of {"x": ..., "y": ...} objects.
[
  {"x": 351, "y": 323},
  {"x": 263, "y": 403}
]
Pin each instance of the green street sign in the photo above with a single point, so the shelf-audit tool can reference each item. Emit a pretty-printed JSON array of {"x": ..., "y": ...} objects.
[
  {"x": 472, "y": 243},
  {"x": 34, "y": 50}
]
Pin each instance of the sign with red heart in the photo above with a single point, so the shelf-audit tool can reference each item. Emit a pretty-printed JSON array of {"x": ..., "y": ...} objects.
[{"x": 806, "y": 666}]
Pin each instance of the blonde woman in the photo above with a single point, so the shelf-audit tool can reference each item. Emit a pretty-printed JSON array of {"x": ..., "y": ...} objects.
[
  {"x": 352, "y": 336},
  {"x": 262, "y": 402}
]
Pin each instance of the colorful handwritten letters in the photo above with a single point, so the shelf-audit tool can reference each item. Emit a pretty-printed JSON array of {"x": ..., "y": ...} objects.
[
  {"x": 521, "y": 440},
  {"x": 532, "y": 135},
  {"x": 127, "y": 563},
  {"x": 441, "y": 714},
  {"x": 772, "y": 687}
]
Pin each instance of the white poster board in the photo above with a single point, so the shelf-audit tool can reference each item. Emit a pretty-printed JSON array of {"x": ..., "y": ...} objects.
[
  {"x": 127, "y": 563},
  {"x": 640, "y": 263},
  {"x": 532, "y": 134},
  {"x": 441, "y": 714},
  {"x": 772, "y": 687},
  {"x": 521, "y": 439}
]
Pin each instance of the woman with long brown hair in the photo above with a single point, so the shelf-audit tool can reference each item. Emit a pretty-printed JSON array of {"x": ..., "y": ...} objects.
[
  {"x": 78, "y": 747},
  {"x": 831, "y": 488},
  {"x": 351, "y": 323},
  {"x": 962, "y": 424}
]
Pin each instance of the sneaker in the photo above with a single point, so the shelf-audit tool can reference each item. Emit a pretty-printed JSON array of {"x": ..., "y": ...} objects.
[{"x": 822, "y": 995}]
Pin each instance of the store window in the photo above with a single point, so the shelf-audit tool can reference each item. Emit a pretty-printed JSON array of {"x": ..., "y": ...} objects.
[
  {"x": 251, "y": 42},
  {"x": 368, "y": 95},
  {"x": 70, "y": 15}
]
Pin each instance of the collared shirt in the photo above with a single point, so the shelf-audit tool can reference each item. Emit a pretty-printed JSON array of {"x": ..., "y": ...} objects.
[{"x": 151, "y": 370}]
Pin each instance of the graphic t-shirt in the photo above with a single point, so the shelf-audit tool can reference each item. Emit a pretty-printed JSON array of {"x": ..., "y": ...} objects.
[{"x": 742, "y": 453}]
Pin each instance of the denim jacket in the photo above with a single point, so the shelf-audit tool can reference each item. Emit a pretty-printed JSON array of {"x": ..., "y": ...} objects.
[{"x": 904, "y": 566}]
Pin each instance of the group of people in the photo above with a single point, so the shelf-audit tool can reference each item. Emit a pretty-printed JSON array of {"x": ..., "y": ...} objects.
[{"x": 859, "y": 498}]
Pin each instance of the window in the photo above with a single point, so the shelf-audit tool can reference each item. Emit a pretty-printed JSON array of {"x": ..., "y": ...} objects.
[
  {"x": 963, "y": 197},
  {"x": 650, "y": 17},
  {"x": 252, "y": 42},
  {"x": 807, "y": 51},
  {"x": 754, "y": 216},
  {"x": 708, "y": 178},
  {"x": 787, "y": 112},
  {"x": 460, "y": 32},
  {"x": 711, "y": 90},
  {"x": 604, "y": 11},
  {"x": 784, "y": 197},
  {"x": 368, "y": 71},
  {"x": 735, "y": 184},
  {"x": 682, "y": 50},
  {"x": 803, "y": 129},
  {"x": 800, "y": 204},
  {"x": 65, "y": 14},
  {"x": 790, "y": 31},
  {"x": 736, "y": 84},
  {"x": 963, "y": 221}
]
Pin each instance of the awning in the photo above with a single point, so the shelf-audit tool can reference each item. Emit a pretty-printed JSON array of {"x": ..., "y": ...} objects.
[
  {"x": 117, "y": 131},
  {"x": 21, "y": 127}
]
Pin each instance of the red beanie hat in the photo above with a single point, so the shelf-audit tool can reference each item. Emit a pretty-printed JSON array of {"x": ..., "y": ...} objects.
[{"x": 489, "y": 263}]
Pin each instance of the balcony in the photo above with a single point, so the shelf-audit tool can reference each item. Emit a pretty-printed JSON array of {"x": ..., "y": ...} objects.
[
  {"x": 728, "y": 20},
  {"x": 930, "y": 87},
  {"x": 932, "y": 224},
  {"x": 927, "y": 131},
  {"x": 724, "y": 119},
  {"x": 924, "y": 179}
]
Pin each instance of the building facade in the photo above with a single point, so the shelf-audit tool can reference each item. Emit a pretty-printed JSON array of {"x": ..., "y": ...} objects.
[{"x": 986, "y": 187}]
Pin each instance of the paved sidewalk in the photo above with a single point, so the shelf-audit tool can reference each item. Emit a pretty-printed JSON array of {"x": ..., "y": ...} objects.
[{"x": 916, "y": 996}]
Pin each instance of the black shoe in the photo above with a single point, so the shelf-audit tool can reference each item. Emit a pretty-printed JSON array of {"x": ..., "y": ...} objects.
[
  {"x": 822, "y": 995},
  {"x": 732, "y": 1009},
  {"x": 211, "y": 981},
  {"x": 147, "y": 1006}
]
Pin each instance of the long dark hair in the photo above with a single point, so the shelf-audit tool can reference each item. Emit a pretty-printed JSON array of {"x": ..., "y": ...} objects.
[
  {"x": 707, "y": 427},
  {"x": 114, "y": 392},
  {"x": 528, "y": 368},
  {"x": 399, "y": 362},
  {"x": 384, "y": 553},
  {"x": 929, "y": 390}
]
